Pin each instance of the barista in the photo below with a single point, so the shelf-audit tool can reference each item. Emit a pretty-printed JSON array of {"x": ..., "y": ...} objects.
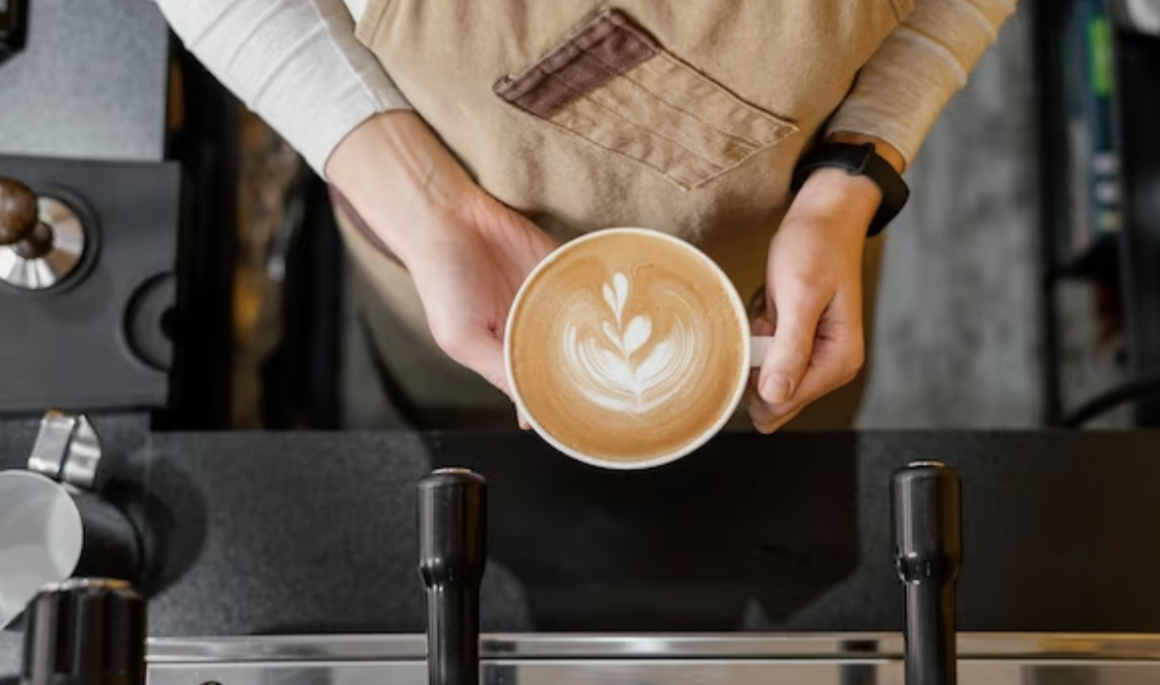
[{"x": 465, "y": 140}]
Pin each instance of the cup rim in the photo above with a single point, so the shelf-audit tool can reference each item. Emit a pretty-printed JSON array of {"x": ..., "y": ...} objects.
[{"x": 684, "y": 450}]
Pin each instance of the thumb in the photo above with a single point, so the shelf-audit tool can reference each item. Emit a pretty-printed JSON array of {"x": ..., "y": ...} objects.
[
  {"x": 483, "y": 354},
  {"x": 797, "y": 315}
]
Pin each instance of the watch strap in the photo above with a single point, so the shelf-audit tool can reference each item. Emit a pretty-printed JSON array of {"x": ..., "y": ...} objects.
[{"x": 860, "y": 160}]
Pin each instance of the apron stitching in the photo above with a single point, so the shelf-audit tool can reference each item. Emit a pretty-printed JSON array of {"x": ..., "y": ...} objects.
[
  {"x": 625, "y": 155},
  {"x": 782, "y": 127},
  {"x": 686, "y": 112},
  {"x": 736, "y": 164},
  {"x": 651, "y": 132},
  {"x": 585, "y": 96},
  {"x": 719, "y": 169},
  {"x": 672, "y": 179}
]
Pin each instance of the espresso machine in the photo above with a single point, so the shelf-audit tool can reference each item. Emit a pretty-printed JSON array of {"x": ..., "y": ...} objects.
[
  {"x": 89, "y": 208},
  {"x": 86, "y": 284},
  {"x": 113, "y": 185},
  {"x": 92, "y": 631}
]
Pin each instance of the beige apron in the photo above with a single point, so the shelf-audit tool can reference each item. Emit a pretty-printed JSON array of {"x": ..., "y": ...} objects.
[{"x": 684, "y": 116}]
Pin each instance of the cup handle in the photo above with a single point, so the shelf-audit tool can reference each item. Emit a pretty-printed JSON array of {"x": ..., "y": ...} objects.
[{"x": 758, "y": 347}]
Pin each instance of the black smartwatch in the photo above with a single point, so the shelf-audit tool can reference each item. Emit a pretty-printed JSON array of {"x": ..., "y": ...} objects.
[{"x": 858, "y": 160}]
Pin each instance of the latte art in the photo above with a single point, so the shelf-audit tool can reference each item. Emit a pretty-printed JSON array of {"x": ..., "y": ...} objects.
[
  {"x": 628, "y": 370},
  {"x": 627, "y": 346}
]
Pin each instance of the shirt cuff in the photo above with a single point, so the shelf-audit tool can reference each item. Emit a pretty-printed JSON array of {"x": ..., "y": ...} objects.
[
  {"x": 898, "y": 96},
  {"x": 316, "y": 127},
  {"x": 902, "y": 90},
  {"x": 297, "y": 65}
]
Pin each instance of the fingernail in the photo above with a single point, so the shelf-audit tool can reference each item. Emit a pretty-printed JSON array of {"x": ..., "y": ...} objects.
[{"x": 776, "y": 388}]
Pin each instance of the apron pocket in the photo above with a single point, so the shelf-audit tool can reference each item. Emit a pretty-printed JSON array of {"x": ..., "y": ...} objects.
[{"x": 615, "y": 87}]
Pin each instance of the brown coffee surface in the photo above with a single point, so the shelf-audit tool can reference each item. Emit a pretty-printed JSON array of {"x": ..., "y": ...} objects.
[{"x": 627, "y": 347}]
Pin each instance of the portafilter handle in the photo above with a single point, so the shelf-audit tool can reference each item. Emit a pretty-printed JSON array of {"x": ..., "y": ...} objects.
[
  {"x": 452, "y": 557},
  {"x": 20, "y": 225},
  {"x": 928, "y": 551}
]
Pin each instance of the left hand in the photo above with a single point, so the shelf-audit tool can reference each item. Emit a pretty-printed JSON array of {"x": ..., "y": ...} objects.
[{"x": 813, "y": 297}]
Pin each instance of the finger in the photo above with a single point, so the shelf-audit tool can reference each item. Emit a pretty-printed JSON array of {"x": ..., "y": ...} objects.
[
  {"x": 759, "y": 410},
  {"x": 798, "y": 310},
  {"x": 522, "y": 421},
  {"x": 760, "y": 414},
  {"x": 837, "y": 360},
  {"x": 483, "y": 354},
  {"x": 765, "y": 419},
  {"x": 777, "y": 423}
]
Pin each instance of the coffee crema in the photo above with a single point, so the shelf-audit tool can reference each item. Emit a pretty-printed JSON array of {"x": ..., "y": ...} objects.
[{"x": 627, "y": 347}]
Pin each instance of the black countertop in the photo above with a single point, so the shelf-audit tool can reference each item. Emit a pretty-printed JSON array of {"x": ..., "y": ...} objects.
[{"x": 313, "y": 533}]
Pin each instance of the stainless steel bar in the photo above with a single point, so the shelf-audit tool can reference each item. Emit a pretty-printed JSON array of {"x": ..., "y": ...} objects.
[
  {"x": 535, "y": 647},
  {"x": 708, "y": 672}
]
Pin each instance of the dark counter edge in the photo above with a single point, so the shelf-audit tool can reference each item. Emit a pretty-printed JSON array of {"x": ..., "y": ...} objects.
[{"x": 1046, "y": 540}]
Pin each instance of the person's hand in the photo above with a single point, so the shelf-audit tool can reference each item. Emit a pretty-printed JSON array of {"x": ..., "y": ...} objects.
[
  {"x": 467, "y": 253},
  {"x": 813, "y": 296},
  {"x": 468, "y": 272}
]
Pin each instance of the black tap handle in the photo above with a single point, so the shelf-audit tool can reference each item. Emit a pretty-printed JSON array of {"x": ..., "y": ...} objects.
[
  {"x": 452, "y": 557},
  {"x": 928, "y": 551},
  {"x": 85, "y": 632}
]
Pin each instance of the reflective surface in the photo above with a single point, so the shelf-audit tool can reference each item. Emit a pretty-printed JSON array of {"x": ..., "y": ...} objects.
[
  {"x": 68, "y": 247},
  {"x": 847, "y": 659},
  {"x": 699, "y": 673},
  {"x": 67, "y": 449}
]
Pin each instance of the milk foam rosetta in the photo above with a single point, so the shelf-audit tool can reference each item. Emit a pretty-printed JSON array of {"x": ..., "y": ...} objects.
[
  {"x": 628, "y": 368},
  {"x": 627, "y": 347}
]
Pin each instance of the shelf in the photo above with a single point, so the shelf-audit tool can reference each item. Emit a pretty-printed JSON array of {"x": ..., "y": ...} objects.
[
  {"x": 1130, "y": 256},
  {"x": 1139, "y": 63}
]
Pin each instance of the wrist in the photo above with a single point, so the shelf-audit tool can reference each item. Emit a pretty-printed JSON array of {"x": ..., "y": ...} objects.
[
  {"x": 399, "y": 177},
  {"x": 832, "y": 193},
  {"x": 836, "y": 198}
]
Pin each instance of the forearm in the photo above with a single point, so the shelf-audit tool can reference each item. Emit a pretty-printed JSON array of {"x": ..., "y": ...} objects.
[
  {"x": 400, "y": 178},
  {"x": 296, "y": 63},
  {"x": 904, "y": 87}
]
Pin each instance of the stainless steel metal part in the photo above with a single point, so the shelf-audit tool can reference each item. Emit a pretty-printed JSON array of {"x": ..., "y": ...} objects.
[
  {"x": 67, "y": 449},
  {"x": 743, "y": 659},
  {"x": 68, "y": 248}
]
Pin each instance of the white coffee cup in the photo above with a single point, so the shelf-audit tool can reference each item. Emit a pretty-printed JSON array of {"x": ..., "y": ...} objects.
[
  {"x": 50, "y": 532},
  {"x": 41, "y": 537},
  {"x": 752, "y": 353}
]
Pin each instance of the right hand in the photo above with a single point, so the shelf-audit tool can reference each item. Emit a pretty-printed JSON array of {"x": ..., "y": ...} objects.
[{"x": 467, "y": 252}]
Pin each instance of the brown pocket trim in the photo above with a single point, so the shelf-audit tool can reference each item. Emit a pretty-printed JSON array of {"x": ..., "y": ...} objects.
[
  {"x": 601, "y": 50},
  {"x": 612, "y": 85}
]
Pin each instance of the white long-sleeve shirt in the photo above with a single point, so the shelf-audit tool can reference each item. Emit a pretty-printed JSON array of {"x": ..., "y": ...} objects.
[
  {"x": 295, "y": 63},
  {"x": 298, "y": 65}
]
